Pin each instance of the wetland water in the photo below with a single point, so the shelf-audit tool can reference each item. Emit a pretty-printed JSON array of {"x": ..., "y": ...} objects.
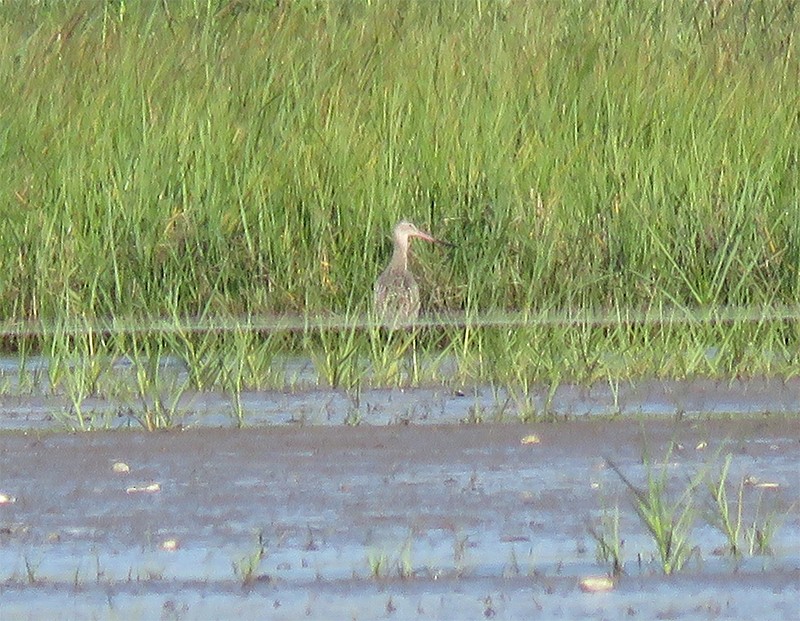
[{"x": 411, "y": 514}]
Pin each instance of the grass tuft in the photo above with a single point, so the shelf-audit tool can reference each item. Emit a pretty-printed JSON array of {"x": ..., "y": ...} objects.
[{"x": 669, "y": 523}]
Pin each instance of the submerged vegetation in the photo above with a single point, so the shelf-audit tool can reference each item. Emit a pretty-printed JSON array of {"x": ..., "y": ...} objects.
[{"x": 621, "y": 181}]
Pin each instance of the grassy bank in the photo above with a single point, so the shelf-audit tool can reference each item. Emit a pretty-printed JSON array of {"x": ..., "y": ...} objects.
[{"x": 218, "y": 160}]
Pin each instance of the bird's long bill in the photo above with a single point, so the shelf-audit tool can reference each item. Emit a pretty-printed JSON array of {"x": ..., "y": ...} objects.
[{"x": 430, "y": 238}]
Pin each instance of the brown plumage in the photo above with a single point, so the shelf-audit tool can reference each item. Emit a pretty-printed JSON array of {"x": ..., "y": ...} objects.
[{"x": 396, "y": 291}]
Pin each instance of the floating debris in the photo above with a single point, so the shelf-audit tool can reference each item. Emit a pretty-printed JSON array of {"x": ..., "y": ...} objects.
[
  {"x": 531, "y": 439},
  {"x": 169, "y": 545},
  {"x": 17, "y": 528},
  {"x": 767, "y": 485},
  {"x": 120, "y": 467},
  {"x": 596, "y": 584},
  {"x": 5, "y": 499},
  {"x": 701, "y": 446},
  {"x": 756, "y": 482},
  {"x": 150, "y": 489}
]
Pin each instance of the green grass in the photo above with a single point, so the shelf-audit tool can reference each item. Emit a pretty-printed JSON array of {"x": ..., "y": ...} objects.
[
  {"x": 383, "y": 566},
  {"x": 668, "y": 521},
  {"x": 608, "y": 541},
  {"x": 746, "y": 525},
  {"x": 621, "y": 180},
  {"x": 726, "y": 517},
  {"x": 668, "y": 512},
  {"x": 246, "y": 568}
]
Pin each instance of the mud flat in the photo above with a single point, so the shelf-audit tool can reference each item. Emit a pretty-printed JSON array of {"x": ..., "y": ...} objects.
[{"x": 397, "y": 521}]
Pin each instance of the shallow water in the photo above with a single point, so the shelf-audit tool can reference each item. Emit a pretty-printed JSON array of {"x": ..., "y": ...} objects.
[
  {"x": 35, "y": 407},
  {"x": 398, "y": 521}
]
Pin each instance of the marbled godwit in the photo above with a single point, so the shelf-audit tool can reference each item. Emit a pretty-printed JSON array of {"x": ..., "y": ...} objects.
[{"x": 396, "y": 290}]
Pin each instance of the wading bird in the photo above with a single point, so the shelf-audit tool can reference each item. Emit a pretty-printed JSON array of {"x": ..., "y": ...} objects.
[{"x": 396, "y": 291}]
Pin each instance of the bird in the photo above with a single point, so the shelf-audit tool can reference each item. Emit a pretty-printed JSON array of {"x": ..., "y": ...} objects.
[{"x": 396, "y": 295}]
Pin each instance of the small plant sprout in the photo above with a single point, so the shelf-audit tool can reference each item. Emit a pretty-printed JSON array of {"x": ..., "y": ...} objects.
[
  {"x": 381, "y": 566},
  {"x": 460, "y": 545},
  {"x": 607, "y": 538},
  {"x": 512, "y": 568},
  {"x": 405, "y": 567},
  {"x": 377, "y": 562},
  {"x": 31, "y": 568},
  {"x": 246, "y": 568}
]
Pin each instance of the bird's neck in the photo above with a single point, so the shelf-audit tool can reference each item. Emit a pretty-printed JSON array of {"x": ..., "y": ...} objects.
[{"x": 400, "y": 256}]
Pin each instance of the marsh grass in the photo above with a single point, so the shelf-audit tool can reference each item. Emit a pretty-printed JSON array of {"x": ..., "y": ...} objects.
[
  {"x": 460, "y": 547},
  {"x": 159, "y": 387},
  {"x": 393, "y": 356},
  {"x": 405, "y": 565},
  {"x": 608, "y": 541},
  {"x": 668, "y": 521},
  {"x": 749, "y": 529},
  {"x": 171, "y": 163},
  {"x": 77, "y": 362},
  {"x": 243, "y": 362},
  {"x": 745, "y": 527},
  {"x": 199, "y": 351},
  {"x": 727, "y": 517},
  {"x": 77, "y": 373},
  {"x": 335, "y": 354},
  {"x": 760, "y": 531}
]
